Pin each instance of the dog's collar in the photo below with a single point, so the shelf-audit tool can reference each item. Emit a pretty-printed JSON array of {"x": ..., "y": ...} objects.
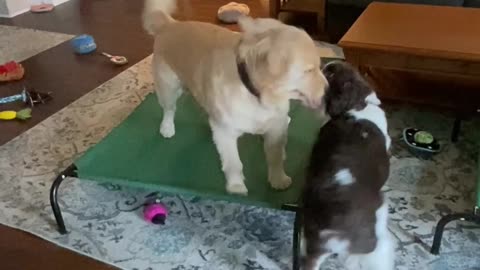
[{"x": 245, "y": 78}]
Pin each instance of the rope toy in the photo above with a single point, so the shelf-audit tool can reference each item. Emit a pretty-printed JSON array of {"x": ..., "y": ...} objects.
[
  {"x": 116, "y": 59},
  {"x": 30, "y": 98}
]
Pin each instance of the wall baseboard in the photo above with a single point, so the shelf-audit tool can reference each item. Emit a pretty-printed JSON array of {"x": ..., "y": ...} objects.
[
  {"x": 58, "y": 2},
  {"x": 54, "y": 2},
  {"x": 15, "y": 13}
]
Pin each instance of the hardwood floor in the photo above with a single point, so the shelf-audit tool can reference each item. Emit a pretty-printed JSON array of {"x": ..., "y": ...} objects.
[{"x": 22, "y": 251}]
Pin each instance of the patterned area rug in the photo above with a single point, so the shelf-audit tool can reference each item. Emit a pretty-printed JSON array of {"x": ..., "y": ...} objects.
[
  {"x": 19, "y": 44},
  {"x": 104, "y": 220}
]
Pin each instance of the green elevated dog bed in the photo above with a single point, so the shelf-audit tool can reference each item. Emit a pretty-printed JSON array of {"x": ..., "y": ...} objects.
[{"x": 135, "y": 153}]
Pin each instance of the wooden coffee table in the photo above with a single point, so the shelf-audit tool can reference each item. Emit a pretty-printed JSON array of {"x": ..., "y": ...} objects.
[{"x": 398, "y": 45}]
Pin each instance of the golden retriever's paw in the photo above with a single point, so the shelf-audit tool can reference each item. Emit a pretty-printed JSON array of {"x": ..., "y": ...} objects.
[
  {"x": 167, "y": 129},
  {"x": 280, "y": 183},
  {"x": 237, "y": 188}
]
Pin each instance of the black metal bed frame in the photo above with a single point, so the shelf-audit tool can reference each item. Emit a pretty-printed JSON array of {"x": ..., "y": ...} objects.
[
  {"x": 437, "y": 238},
  {"x": 71, "y": 171}
]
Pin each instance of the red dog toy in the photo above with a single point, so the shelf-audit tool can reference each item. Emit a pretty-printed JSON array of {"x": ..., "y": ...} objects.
[{"x": 11, "y": 71}]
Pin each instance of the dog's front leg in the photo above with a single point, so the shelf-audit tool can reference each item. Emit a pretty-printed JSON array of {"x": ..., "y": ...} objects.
[
  {"x": 275, "y": 140},
  {"x": 226, "y": 141}
]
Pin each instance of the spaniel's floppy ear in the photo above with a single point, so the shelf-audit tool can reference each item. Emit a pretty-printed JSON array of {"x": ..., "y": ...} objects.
[{"x": 338, "y": 99}]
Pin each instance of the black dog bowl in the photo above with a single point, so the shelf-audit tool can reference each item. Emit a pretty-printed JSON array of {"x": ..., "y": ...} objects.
[{"x": 421, "y": 143}]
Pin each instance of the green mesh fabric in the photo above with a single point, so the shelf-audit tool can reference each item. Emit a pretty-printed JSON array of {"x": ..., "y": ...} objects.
[{"x": 134, "y": 153}]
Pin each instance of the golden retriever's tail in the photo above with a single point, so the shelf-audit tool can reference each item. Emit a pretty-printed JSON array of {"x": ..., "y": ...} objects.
[{"x": 156, "y": 14}]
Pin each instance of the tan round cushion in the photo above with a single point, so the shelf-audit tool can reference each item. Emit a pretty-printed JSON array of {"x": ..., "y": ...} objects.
[{"x": 230, "y": 12}]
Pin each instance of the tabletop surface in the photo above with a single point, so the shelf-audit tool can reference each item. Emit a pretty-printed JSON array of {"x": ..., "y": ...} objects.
[{"x": 438, "y": 31}]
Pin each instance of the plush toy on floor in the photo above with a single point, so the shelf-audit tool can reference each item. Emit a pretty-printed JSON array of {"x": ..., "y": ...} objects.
[
  {"x": 155, "y": 212},
  {"x": 29, "y": 97},
  {"x": 83, "y": 44},
  {"x": 11, "y": 71},
  {"x": 231, "y": 12},
  {"x": 41, "y": 8},
  {"x": 116, "y": 59},
  {"x": 20, "y": 115}
]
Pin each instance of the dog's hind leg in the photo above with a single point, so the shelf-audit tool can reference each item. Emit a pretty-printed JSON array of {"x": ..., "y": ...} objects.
[
  {"x": 314, "y": 261},
  {"x": 311, "y": 250},
  {"x": 383, "y": 256},
  {"x": 168, "y": 88}
]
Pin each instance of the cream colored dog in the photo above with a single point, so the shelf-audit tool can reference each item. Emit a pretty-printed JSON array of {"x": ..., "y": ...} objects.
[{"x": 244, "y": 81}]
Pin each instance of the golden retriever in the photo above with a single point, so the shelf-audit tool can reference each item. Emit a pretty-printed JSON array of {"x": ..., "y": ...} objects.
[{"x": 244, "y": 81}]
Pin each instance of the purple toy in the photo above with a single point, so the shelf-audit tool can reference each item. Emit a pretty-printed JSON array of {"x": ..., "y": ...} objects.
[{"x": 155, "y": 212}]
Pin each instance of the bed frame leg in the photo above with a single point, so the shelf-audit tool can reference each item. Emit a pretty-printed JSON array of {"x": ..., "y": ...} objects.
[
  {"x": 296, "y": 241},
  {"x": 297, "y": 227},
  {"x": 71, "y": 171},
  {"x": 437, "y": 239}
]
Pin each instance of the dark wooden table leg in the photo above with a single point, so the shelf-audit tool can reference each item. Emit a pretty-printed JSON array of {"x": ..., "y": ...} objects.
[
  {"x": 322, "y": 20},
  {"x": 457, "y": 124}
]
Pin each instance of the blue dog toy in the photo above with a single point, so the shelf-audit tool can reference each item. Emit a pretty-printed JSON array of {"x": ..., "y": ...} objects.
[
  {"x": 23, "y": 96},
  {"x": 83, "y": 44}
]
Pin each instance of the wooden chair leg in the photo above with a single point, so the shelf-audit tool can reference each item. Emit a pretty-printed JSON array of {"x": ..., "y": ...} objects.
[
  {"x": 274, "y": 8},
  {"x": 457, "y": 124},
  {"x": 322, "y": 21},
  {"x": 321, "y": 29}
]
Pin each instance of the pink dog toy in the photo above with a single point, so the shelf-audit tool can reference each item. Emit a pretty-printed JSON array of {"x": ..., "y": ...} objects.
[{"x": 155, "y": 213}]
